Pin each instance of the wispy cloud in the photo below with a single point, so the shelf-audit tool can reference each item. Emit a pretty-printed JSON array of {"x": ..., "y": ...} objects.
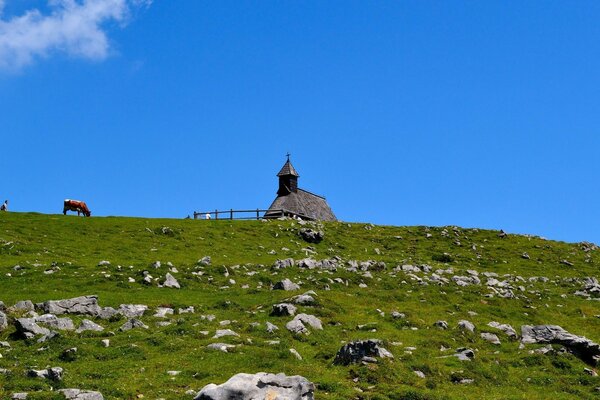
[{"x": 73, "y": 27}]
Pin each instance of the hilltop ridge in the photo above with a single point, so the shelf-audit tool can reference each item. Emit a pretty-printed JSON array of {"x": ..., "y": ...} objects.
[{"x": 394, "y": 284}]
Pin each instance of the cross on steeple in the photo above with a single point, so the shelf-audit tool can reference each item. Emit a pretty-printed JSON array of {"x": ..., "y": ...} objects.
[{"x": 288, "y": 156}]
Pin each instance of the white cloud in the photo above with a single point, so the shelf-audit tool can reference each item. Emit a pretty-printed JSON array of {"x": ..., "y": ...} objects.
[{"x": 74, "y": 27}]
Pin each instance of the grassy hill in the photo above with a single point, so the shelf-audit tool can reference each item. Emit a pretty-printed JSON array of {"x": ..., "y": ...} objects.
[{"x": 58, "y": 257}]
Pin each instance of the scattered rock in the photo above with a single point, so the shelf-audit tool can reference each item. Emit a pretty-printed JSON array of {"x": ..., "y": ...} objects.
[
  {"x": 87, "y": 325},
  {"x": 582, "y": 347},
  {"x": 3, "y": 321},
  {"x": 132, "y": 310},
  {"x": 420, "y": 374},
  {"x": 204, "y": 261},
  {"x": 224, "y": 332},
  {"x": 131, "y": 324},
  {"x": 54, "y": 373},
  {"x": 361, "y": 351},
  {"x": 259, "y": 386},
  {"x": 466, "y": 325},
  {"x": 24, "y": 305},
  {"x": 464, "y": 354},
  {"x": 77, "y": 394},
  {"x": 297, "y": 325},
  {"x": 283, "y": 310},
  {"x": 171, "y": 282},
  {"x": 490, "y": 337},
  {"x": 311, "y": 236},
  {"x": 162, "y": 312},
  {"x": 28, "y": 328},
  {"x": 441, "y": 324},
  {"x": 220, "y": 347},
  {"x": 279, "y": 264},
  {"x": 507, "y": 329},
  {"x": 296, "y": 354},
  {"x": 286, "y": 284}
]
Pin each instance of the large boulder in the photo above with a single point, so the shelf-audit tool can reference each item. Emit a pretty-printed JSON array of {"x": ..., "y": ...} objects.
[
  {"x": 85, "y": 305},
  {"x": 361, "y": 351},
  {"x": 259, "y": 386},
  {"x": 582, "y": 347}
]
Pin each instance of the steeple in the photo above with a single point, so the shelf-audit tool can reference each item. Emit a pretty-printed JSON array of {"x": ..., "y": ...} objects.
[{"x": 288, "y": 178}]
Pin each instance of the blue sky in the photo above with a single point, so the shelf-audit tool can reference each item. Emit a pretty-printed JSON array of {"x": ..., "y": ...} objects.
[{"x": 477, "y": 114}]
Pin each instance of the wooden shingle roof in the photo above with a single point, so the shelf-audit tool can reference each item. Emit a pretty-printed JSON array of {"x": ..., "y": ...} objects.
[
  {"x": 288, "y": 169},
  {"x": 303, "y": 204}
]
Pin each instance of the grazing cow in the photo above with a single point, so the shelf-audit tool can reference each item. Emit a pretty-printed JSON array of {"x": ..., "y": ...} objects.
[{"x": 76, "y": 205}]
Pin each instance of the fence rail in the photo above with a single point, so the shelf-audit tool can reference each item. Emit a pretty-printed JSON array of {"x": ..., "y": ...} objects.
[
  {"x": 237, "y": 214},
  {"x": 245, "y": 214}
]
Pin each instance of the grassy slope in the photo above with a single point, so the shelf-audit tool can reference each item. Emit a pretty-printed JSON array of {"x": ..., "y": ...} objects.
[{"x": 137, "y": 361}]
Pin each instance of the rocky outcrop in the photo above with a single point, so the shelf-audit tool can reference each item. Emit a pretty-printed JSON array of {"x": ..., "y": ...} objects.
[
  {"x": 580, "y": 346},
  {"x": 259, "y": 386},
  {"x": 361, "y": 351},
  {"x": 85, "y": 305},
  {"x": 54, "y": 373},
  {"x": 28, "y": 328}
]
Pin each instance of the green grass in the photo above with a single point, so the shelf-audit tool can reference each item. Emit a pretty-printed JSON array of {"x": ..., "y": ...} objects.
[{"x": 137, "y": 361}]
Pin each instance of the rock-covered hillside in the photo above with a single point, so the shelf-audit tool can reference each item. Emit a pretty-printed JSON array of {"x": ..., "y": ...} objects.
[{"x": 128, "y": 308}]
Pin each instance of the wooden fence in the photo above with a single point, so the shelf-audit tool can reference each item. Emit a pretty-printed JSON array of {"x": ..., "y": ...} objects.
[{"x": 244, "y": 214}]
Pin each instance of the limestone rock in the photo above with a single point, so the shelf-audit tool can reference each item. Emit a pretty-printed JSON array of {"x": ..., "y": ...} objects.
[
  {"x": 77, "y": 394},
  {"x": 283, "y": 309},
  {"x": 311, "y": 235},
  {"x": 298, "y": 324},
  {"x": 171, "y": 282},
  {"x": 133, "y": 323},
  {"x": 507, "y": 329},
  {"x": 85, "y": 305},
  {"x": 54, "y": 373},
  {"x": 286, "y": 284},
  {"x": 3, "y": 321},
  {"x": 28, "y": 328},
  {"x": 361, "y": 351},
  {"x": 466, "y": 325},
  {"x": 259, "y": 386},
  {"x": 132, "y": 310},
  {"x": 582, "y": 347},
  {"x": 490, "y": 337},
  {"x": 279, "y": 264},
  {"x": 87, "y": 325}
]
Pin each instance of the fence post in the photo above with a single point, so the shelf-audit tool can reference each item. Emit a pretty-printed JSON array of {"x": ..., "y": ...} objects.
[
  {"x": 195, "y": 215},
  {"x": 216, "y": 214},
  {"x": 231, "y": 213},
  {"x": 257, "y": 217}
]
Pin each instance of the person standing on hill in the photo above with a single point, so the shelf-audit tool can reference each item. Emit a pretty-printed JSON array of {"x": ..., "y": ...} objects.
[{"x": 4, "y": 206}]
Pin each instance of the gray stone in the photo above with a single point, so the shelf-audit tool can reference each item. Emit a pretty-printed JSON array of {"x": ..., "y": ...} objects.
[
  {"x": 204, "y": 261},
  {"x": 307, "y": 263},
  {"x": 466, "y": 325},
  {"x": 133, "y": 323},
  {"x": 63, "y": 324},
  {"x": 286, "y": 284},
  {"x": 283, "y": 309},
  {"x": 311, "y": 235},
  {"x": 490, "y": 337},
  {"x": 298, "y": 324},
  {"x": 162, "y": 312},
  {"x": 171, "y": 282},
  {"x": 360, "y": 351},
  {"x": 259, "y": 386},
  {"x": 54, "y": 373},
  {"x": 507, "y": 329},
  {"x": 398, "y": 315},
  {"x": 87, "y": 325},
  {"x": 28, "y": 328},
  {"x": 464, "y": 354},
  {"x": 582, "y": 347},
  {"x": 3, "y": 321},
  {"x": 24, "y": 305},
  {"x": 271, "y": 327},
  {"x": 77, "y": 394},
  {"x": 224, "y": 347},
  {"x": 132, "y": 310},
  {"x": 19, "y": 396},
  {"x": 441, "y": 324},
  {"x": 303, "y": 299},
  {"x": 224, "y": 332},
  {"x": 279, "y": 264},
  {"x": 85, "y": 305}
]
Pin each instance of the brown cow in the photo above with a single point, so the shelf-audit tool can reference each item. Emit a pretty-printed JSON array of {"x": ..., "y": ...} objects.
[{"x": 76, "y": 205}]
